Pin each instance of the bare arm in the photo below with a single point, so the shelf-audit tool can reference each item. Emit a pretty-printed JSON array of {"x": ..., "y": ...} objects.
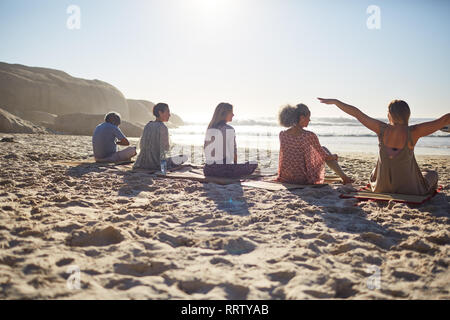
[
  {"x": 331, "y": 157},
  {"x": 164, "y": 138},
  {"x": 123, "y": 142},
  {"x": 368, "y": 122},
  {"x": 235, "y": 150},
  {"x": 424, "y": 129},
  {"x": 327, "y": 156}
]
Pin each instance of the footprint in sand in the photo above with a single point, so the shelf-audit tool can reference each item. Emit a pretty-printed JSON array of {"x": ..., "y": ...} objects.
[
  {"x": 64, "y": 262},
  {"x": 394, "y": 293},
  {"x": 218, "y": 260},
  {"x": 194, "y": 286},
  {"x": 153, "y": 268},
  {"x": 67, "y": 227},
  {"x": 342, "y": 248},
  {"x": 417, "y": 245},
  {"x": 373, "y": 260},
  {"x": 103, "y": 237},
  {"x": 439, "y": 238},
  {"x": 377, "y": 239},
  {"x": 178, "y": 241},
  {"x": 92, "y": 253},
  {"x": 407, "y": 276},
  {"x": 235, "y": 291},
  {"x": 27, "y": 232},
  {"x": 238, "y": 246},
  {"x": 282, "y": 276},
  {"x": 202, "y": 218},
  {"x": 11, "y": 261},
  {"x": 123, "y": 284},
  {"x": 33, "y": 269},
  {"x": 343, "y": 288},
  {"x": 217, "y": 223}
]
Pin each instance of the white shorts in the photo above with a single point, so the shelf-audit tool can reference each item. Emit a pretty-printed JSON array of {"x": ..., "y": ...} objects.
[{"x": 120, "y": 156}]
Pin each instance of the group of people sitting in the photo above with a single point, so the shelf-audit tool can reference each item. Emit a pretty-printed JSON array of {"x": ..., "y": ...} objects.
[{"x": 301, "y": 159}]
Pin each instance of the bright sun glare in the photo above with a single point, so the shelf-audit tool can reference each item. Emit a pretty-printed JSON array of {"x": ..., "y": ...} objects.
[
  {"x": 211, "y": 8},
  {"x": 211, "y": 5}
]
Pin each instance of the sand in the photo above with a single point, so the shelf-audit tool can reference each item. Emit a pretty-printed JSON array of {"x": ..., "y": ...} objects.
[{"x": 135, "y": 236}]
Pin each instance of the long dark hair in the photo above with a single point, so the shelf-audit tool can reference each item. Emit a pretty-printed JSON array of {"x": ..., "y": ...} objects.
[
  {"x": 220, "y": 114},
  {"x": 160, "y": 107}
]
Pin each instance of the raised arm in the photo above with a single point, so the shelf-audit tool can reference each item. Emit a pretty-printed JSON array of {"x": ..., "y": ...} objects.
[
  {"x": 368, "y": 122},
  {"x": 427, "y": 128}
]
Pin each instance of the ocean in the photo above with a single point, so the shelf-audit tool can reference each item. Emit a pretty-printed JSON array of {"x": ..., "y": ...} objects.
[{"x": 337, "y": 134}]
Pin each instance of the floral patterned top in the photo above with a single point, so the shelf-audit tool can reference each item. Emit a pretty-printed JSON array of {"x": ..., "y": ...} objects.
[{"x": 301, "y": 159}]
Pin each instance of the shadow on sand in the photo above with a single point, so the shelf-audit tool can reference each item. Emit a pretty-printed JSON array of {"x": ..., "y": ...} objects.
[
  {"x": 344, "y": 215},
  {"x": 229, "y": 198}
]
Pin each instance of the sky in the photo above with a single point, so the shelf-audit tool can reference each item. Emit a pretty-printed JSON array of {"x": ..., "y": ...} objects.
[{"x": 255, "y": 54}]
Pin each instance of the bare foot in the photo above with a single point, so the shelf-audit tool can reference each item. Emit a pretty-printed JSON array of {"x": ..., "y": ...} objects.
[{"x": 347, "y": 180}]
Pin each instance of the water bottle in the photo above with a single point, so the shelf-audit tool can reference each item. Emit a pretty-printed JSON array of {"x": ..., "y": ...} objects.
[{"x": 163, "y": 163}]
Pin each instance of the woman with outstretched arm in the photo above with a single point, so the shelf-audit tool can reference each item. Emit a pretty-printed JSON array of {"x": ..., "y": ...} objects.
[{"x": 397, "y": 170}]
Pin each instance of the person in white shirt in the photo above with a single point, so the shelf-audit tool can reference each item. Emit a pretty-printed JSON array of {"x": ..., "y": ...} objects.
[{"x": 220, "y": 147}]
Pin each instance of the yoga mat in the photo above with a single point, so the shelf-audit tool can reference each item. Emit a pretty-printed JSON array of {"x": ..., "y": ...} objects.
[
  {"x": 278, "y": 186},
  {"x": 251, "y": 176},
  {"x": 401, "y": 198},
  {"x": 332, "y": 179},
  {"x": 92, "y": 162},
  {"x": 180, "y": 168},
  {"x": 189, "y": 175}
]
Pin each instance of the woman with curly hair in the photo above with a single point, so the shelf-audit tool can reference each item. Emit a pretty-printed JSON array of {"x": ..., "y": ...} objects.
[{"x": 302, "y": 159}]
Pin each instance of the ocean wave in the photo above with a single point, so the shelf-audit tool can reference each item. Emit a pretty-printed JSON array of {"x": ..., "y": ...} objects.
[
  {"x": 274, "y": 134},
  {"x": 273, "y": 122}
]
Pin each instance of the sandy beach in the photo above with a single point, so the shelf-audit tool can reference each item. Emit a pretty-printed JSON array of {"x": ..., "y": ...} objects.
[{"x": 136, "y": 236}]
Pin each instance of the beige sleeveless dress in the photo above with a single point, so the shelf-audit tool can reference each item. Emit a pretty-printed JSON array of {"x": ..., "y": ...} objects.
[{"x": 398, "y": 174}]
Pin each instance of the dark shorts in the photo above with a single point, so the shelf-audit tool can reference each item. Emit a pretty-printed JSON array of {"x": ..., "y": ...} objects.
[{"x": 229, "y": 170}]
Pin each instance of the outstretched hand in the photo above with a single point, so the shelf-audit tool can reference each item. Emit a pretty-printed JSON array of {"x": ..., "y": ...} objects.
[
  {"x": 328, "y": 101},
  {"x": 332, "y": 157}
]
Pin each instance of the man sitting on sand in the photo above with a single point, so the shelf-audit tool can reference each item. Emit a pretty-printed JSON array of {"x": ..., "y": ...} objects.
[{"x": 107, "y": 136}]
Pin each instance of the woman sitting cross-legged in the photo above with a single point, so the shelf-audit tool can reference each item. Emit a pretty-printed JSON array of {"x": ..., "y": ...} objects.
[
  {"x": 220, "y": 147},
  {"x": 302, "y": 159},
  {"x": 154, "y": 143},
  {"x": 397, "y": 170}
]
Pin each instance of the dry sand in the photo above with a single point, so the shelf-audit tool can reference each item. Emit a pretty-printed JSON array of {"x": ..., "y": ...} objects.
[{"x": 133, "y": 235}]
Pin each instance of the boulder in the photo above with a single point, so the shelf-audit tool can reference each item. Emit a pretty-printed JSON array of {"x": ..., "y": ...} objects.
[
  {"x": 176, "y": 120},
  {"x": 84, "y": 125},
  {"x": 39, "y": 117},
  {"x": 10, "y": 123},
  {"x": 24, "y": 89},
  {"x": 140, "y": 111}
]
